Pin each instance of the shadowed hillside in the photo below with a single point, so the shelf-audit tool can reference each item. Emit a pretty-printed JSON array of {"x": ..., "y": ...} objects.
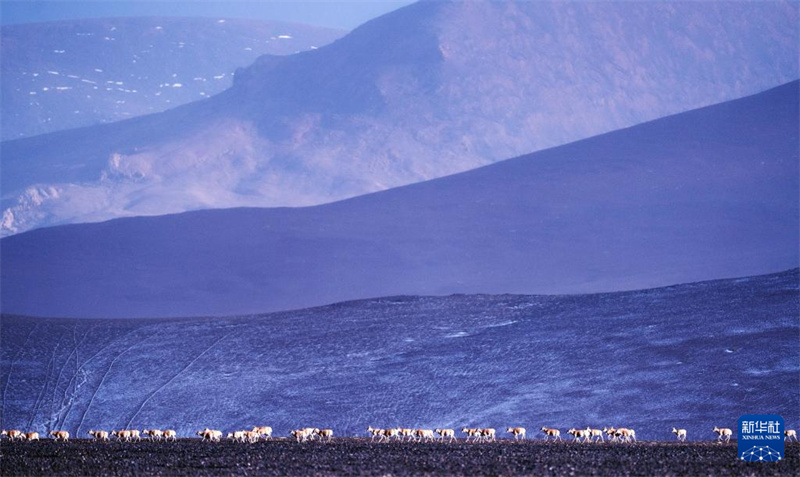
[
  {"x": 706, "y": 194},
  {"x": 429, "y": 90},
  {"x": 692, "y": 356}
]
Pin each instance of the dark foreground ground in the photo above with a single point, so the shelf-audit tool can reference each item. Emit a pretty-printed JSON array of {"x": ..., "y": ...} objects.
[{"x": 192, "y": 457}]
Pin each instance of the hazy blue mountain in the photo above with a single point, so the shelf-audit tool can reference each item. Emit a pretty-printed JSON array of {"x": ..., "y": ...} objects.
[
  {"x": 710, "y": 193},
  {"x": 73, "y": 73},
  {"x": 690, "y": 356},
  {"x": 432, "y": 89}
]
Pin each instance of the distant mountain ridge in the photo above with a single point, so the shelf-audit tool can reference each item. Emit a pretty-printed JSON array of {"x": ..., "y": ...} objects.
[
  {"x": 432, "y": 89},
  {"x": 66, "y": 74},
  {"x": 705, "y": 194},
  {"x": 691, "y": 356}
]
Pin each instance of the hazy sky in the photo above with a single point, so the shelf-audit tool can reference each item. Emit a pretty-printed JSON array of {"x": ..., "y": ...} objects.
[{"x": 346, "y": 14}]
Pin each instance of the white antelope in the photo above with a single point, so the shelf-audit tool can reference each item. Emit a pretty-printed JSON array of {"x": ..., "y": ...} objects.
[
  {"x": 471, "y": 432},
  {"x": 550, "y": 432},
  {"x": 155, "y": 434},
  {"x": 595, "y": 433},
  {"x": 446, "y": 433},
  {"x": 325, "y": 433},
  {"x": 383, "y": 434},
  {"x": 424, "y": 434},
  {"x": 263, "y": 431},
  {"x": 405, "y": 433},
  {"x": 723, "y": 433},
  {"x": 387, "y": 434},
  {"x": 518, "y": 432},
  {"x": 374, "y": 432},
  {"x": 681, "y": 433},
  {"x": 238, "y": 436},
  {"x": 488, "y": 434},
  {"x": 578, "y": 434},
  {"x": 12, "y": 434},
  {"x": 99, "y": 435},
  {"x": 302, "y": 434},
  {"x": 625, "y": 435},
  {"x": 790, "y": 434},
  {"x": 210, "y": 435},
  {"x": 60, "y": 435},
  {"x": 170, "y": 435},
  {"x": 127, "y": 435}
]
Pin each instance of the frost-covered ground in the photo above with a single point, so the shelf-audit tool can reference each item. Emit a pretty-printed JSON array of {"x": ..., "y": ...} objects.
[{"x": 691, "y": 356}]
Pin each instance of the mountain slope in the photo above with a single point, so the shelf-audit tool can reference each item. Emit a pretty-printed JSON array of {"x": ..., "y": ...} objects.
[
  {"x": 429, "y": 90},
  {"x": 706, "y": 194},
  {"x": 67, "y": 74},
  {"x": 692, "y": 356}
]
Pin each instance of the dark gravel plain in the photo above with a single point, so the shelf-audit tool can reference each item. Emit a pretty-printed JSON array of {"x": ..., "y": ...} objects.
[{"x": 357, "y": 456}]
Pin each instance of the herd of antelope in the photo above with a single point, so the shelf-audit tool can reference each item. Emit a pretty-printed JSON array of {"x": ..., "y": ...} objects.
[{"x": 304, "y": 434}]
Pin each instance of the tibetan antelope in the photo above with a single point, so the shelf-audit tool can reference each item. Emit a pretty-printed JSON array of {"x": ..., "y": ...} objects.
[
  {"x": 31, "y": 436},
  {"x": 405, "y": 433},
  {"x": 554, "y": 433},
  {"x": 681, "y": 433},
  {"x": 387, "y": 434},
  {"x": 595, "y": 433},
  {"x": 170, "y": 435},
  {"x": 155, "y": 434},
  {"x": 325, "y": 433},
  {"x": 302, "y": 434},
  {"x": 518, "y": 432},
  {"x": 99, "y": 435},
  {"x": 13, "y": 434},
  {"x": 625, "y": 435},
  {"x": 578, "y": 434},
  {"x": 470, "y": 432},
  {"x": 446, "y": 433},
  {"x": 210, "y": 435},
  {"x": 60, "y": 435},
  {"x": 127, "y": 435},
  {"x": 489, "y": 434},
  {"x": 263, "y": 431},
  {"x": 238, "y": 436},
  {"x": 790, "y": 434},
  {"x": 298, "y": 434},
  {"x": 723, "y": 433}
]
